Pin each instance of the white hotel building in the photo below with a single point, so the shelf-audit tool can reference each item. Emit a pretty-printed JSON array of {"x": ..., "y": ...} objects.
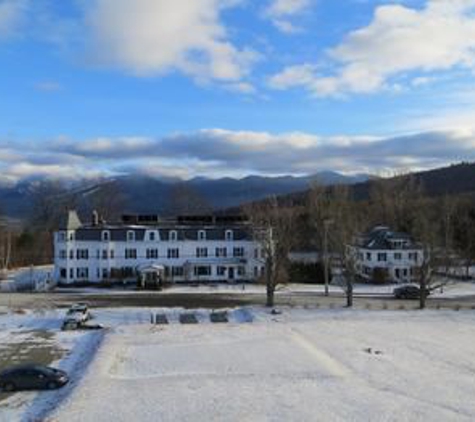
[{"x": 146, "y": 248}]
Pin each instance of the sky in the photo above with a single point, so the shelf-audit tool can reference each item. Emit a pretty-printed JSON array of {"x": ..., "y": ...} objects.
[{"x": 185, "y": 88}]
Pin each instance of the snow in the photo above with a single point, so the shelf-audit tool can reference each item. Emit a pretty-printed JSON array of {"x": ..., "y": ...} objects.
[
  {"x": 27, "y": 278},
  {"x": 302, "y": 365},
  {"x": 453, "y": 289}
]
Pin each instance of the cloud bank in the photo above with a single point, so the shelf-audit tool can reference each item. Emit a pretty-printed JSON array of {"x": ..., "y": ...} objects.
[{"x": 218, "y": 152}]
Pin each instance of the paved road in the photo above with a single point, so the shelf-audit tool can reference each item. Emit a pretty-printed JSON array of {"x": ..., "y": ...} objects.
[{"x": 218, "y": 300}]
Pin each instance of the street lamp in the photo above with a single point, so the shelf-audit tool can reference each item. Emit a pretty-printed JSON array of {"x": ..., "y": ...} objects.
[{"x": 326, "y": 224}]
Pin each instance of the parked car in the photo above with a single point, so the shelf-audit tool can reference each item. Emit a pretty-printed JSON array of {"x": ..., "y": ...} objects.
[
  {"x": 409, "y": 291},
  {"x": 32, "y": 377},
  {"x": 79, "y": 311},
  {"x": 72, "y": 324}
]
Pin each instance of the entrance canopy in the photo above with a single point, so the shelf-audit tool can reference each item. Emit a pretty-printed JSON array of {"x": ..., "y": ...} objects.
[{"x": 151, "y": 269}]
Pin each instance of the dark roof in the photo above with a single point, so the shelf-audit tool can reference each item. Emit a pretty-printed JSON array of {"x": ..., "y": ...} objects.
[
  {"x": 119, "y": 233},
  {"x": 382, "y": 237}
]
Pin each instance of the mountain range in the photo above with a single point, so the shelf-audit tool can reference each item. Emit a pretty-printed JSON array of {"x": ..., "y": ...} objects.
[{"x": 145, "y": 194}]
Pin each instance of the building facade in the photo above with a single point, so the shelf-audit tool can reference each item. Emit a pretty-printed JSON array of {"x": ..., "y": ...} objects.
[
  {"x": 189, "y": 249},
  {"x": 382, "y": 254}
]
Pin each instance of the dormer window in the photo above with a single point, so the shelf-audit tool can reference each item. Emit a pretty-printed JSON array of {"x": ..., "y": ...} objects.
[
  {"x": 173, "y": 236},
  {"x": 105, "y": 236},
  {"x": 130, "y": 236},
  {"x": 229, "y": 235},
  {"x": 201, "y": 235}
]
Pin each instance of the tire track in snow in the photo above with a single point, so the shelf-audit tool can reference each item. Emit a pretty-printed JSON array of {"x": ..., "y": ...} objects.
[{"x": 331, "y": 365}]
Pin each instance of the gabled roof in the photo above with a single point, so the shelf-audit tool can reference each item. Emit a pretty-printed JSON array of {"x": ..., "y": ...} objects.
[
  {"x": 70, "y": 221},
  {"x": 382, "y": 237}
]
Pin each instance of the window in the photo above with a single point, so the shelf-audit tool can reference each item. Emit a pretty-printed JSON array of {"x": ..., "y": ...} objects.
[
  {"x": 105, "y": 236},
  {"x": 130, "y": 236},
  {"x": 201, "y": 235},
  {"x": 173, "y": 253},
  {"x": 62, "y": 254},
  {"x": 63, "y": 273},
  {"x": 177, "y": 271},
  {"x": 229, "y": 235},
  {"x": 71, "y": 236},
  {"x": 238, "y": 252},
  {"x": 173, "y": 236},
  {"x": 221, "y": 252},
  {"x": 152, "y": 253},
  {"x": 413, "y": 256},
  {"x": 104, "y": 254},
  {"x": 71, "y": 273},
  {"x": 241, "y": 271},
  {"x": 105, "y": 273},
  {"x": 82, "y": 272},
  {"x": 151, "y": 236},
  {"x": 127, "y": 271},
  {"x": 256, "y": 253},
  {"x": 112, "y": 253},
  {"x": 201, "y": 252},
  {"x": 202, "y": 271},
  {"x": 398, "y": 256},
  {"x": 71, "y": 254},
  {"x": 82, "y": 254},
  {"x": 256, "y": 272},
  {"x": 368, "y": 256},
  {"x": 62, "y": 236},
  {"x": 382, "y": 257},
  {"x": 131, "y": 254},
  {"x": 221, "y": 271}
]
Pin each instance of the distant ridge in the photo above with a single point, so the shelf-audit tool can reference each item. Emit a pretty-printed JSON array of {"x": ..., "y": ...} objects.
[{"x": 146, "y": 194}]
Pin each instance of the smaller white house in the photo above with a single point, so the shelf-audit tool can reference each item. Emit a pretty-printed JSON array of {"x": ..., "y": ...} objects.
[{"x": 384, "y": 254}]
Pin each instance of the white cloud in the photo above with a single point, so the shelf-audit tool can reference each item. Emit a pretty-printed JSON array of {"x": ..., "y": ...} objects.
[
  {"x": 399, "y": 40},
  {"x": 153, "y": 37},
  {"x": 281, "y": 12},
  {"x": 220, "y": 152},
  {"x": 12, "y": 13}
]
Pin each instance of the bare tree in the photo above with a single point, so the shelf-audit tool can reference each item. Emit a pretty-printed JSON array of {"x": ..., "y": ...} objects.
[
  {"x": 347, "y": 225},
  {"x": 50, "y": 200},
  {"x": 464, "y": 233},
  {"x": 273, "y": 229},
  {"x": 432, "y": 233},
  {"x": 5, "y": 244},
  {"x": 393, "y": 201}
]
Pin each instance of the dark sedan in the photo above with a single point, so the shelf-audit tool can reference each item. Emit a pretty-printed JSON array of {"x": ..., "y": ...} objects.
[
  {"x": 32, "y": 377},
  {"x": 409, "y": 291}
]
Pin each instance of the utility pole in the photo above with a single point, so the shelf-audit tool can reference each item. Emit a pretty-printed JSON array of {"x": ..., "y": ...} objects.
[{"x": 326, "y": 225}]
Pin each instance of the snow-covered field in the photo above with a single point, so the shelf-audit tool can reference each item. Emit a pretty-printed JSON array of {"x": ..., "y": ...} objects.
[{"x": 325, "y": 365}]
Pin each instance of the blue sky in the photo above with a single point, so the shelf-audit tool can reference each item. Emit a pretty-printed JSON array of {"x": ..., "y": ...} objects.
[{"x": 234, "y": 87}]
